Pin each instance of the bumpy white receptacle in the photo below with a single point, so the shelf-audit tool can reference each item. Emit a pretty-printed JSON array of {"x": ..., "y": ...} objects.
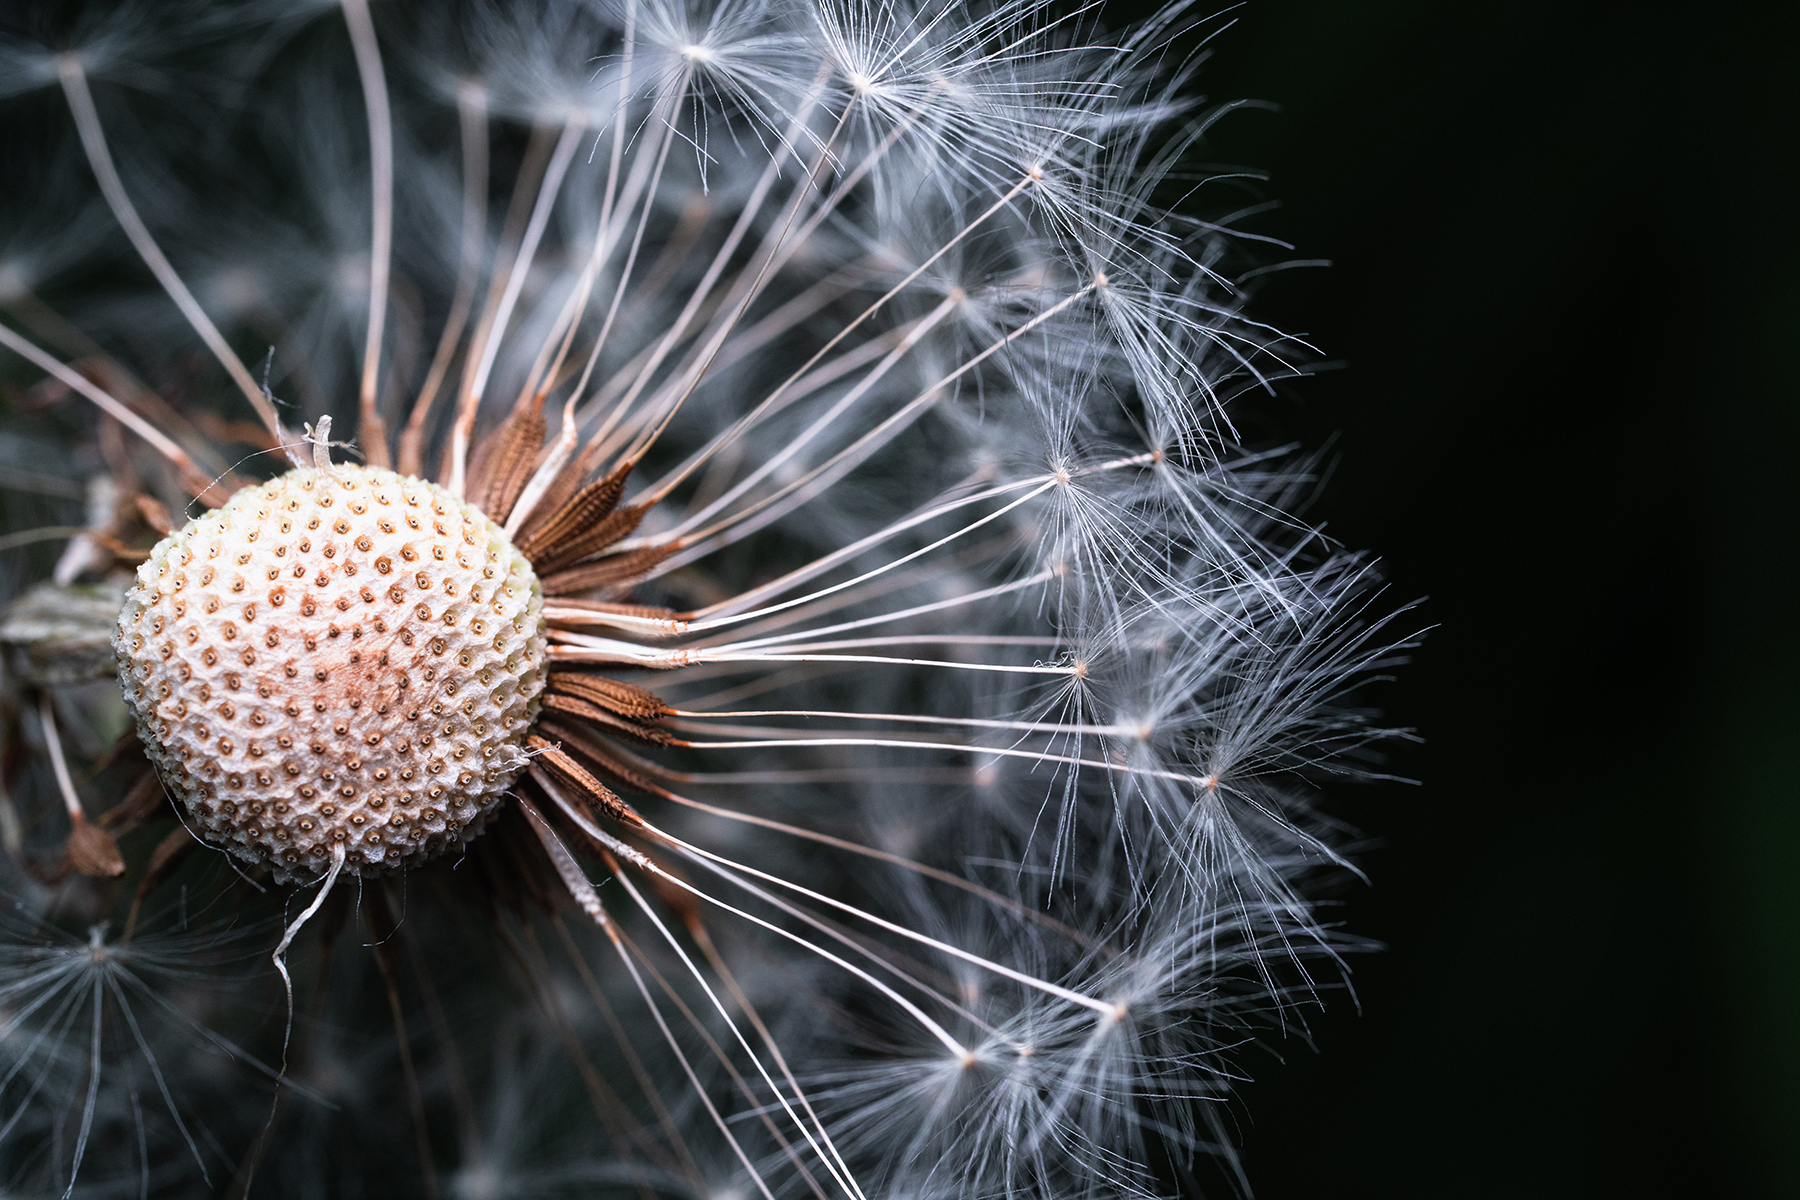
[{"x": 335, "y": 656}]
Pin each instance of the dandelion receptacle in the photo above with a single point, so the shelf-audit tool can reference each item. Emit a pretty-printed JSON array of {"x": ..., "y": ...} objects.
[{"x": 643, "y": 598}]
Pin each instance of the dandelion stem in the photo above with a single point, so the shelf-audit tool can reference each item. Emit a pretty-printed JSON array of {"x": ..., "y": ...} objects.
[
  {"x": 589, "y": 901},
  {"x": 574, "y": 814},
  {"x": 757, "y": 413},
  {"x": 486, "y": 346},
  {"x": 830, "y": 1161},
  {"x": 93, "y": 141},
  {"x": 634, "y": 1061},
  {"x": 43, "y": 533},
  {"x": 720, "y": 614},
  {"x": 415, "y": 1099},
  {"x": 697, "y": 854},
  {"x": 59, "y": 764},
  {"x": 767, "y": 256},
  {"x": 372, "y": 432},
  {"x": 471, "y": 109},
  {"x": 106, "y": 402},
  {"x": 93, "y": 1088},
  {"x": 828, "y": 472}
]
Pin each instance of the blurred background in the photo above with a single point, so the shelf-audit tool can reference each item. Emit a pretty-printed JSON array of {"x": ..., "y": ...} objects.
[{"x": 1564, "y": 293}]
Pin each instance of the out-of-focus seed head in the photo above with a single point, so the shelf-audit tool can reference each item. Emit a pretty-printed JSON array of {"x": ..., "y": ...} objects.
[
  {"x": 344, "y": 656},
  {"x": 57, "y": 634}
]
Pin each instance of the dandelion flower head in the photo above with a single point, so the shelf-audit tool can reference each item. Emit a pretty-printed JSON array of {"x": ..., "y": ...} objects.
[{"x": 681, "y": 610}]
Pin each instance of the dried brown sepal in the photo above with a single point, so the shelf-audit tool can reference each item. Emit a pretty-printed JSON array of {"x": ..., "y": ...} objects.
[
  {"x": 651, "y": 612},
  {"x": 412, "y": 451},
  {"x": 602, "y": 759},
  {"x": 609, "y": 572},
  {"x": 559, "y": 813},
  {"x": 506, "y": 469},
  {"x": 624, "y": 699},
  {"x": 650, "y": 735},
  {"x": 589, "y": 505},
  {"x": 572, "y": 774},
  {"x": 93, "y": 852},
  {"x": 563, "y": 487},
  {"x": 481, "y": 455},
  {"x": 615, "y": 525}
]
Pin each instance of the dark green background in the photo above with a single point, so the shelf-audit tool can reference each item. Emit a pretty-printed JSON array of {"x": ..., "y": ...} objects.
[{"x": 1565, "y": 290}]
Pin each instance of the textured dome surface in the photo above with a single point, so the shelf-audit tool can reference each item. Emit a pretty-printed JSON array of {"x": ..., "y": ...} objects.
[{"x": 335, "y": 656}]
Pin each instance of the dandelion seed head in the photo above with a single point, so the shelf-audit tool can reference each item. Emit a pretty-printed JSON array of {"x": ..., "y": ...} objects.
[
  {"x": 910, "y": 689},
  {"x": 336, "y": 656}
]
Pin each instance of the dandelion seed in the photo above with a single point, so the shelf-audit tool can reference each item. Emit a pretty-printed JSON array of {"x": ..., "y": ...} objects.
[{"x": 793, "y": 678}]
